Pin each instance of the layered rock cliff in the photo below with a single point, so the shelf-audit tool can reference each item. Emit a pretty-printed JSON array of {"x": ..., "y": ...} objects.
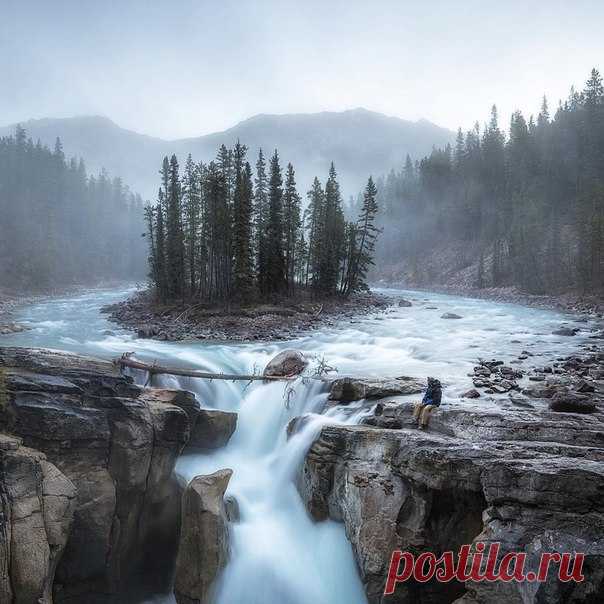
[
  {"x": 93, "y": 436},
  {"x": 529, "y": 478}
]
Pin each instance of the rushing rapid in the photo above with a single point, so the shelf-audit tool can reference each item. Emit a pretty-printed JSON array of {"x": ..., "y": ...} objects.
[{"x": 278, "y": 554}]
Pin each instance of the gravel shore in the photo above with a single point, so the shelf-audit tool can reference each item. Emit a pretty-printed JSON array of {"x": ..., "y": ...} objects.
[{"x": 263, "y": 322}]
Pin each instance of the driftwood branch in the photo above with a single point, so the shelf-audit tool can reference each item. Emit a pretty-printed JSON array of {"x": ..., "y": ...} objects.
[{"x": 126, "y": 361}]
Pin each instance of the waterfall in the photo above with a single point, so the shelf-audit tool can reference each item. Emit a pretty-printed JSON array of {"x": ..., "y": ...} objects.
[{"x": 278, "y": 553}]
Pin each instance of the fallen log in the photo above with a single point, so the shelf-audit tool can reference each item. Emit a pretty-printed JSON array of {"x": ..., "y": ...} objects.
[{"x": 152, "y": 369}]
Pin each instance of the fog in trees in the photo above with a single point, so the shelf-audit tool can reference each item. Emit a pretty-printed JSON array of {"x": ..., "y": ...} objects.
[
  {"x": 523, "y": 208},
  {"x": 58, "y": 225}
]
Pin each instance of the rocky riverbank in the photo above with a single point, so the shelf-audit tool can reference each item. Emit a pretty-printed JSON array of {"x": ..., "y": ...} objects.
[
  {"x": 522, "y": 466},
  {"x": 263, "y": 322},
  {"x": 582, "y": 304},
  {"x": 9, "y": 303}
]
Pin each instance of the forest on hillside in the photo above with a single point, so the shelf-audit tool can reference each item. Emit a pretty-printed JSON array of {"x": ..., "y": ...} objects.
[
  {"x": 524, "y": 209},
  {"x": 223, "y": 232},
  {"x": 59, "y": 226}
]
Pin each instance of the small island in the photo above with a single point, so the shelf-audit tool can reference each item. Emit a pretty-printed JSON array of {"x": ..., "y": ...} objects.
[{"x": 233, "y": 255}]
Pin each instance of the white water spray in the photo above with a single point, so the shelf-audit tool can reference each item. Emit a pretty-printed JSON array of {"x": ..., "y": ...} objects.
[{"x": 278, "y": 553}]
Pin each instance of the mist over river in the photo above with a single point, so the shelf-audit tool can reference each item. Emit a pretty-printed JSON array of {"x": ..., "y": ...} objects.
[{"x": 278, "y": 554}]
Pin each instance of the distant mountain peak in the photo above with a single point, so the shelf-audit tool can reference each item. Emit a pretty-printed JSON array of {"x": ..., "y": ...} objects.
[{"x": 359, "y": 141}]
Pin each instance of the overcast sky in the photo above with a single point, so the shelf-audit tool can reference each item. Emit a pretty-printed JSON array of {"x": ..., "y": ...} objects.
[{"x": 190, "y": 67}]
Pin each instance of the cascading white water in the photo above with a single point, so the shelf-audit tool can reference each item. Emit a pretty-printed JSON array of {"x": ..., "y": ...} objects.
[{"x": 278, "y": 553}]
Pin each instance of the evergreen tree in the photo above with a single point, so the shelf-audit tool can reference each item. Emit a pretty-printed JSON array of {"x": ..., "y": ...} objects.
[
  {"x": 243, "y": 277},
  {"x": 192, "y": 209},
  {"x": 59, "y": 226},
  {"x": 261, "y": 212},
  {"x": 201, "y": 233},
  {"x": 292, "y": 223},
  {"x": 363, "y": 239},
  {"x": 314, "y": 225},
  {"x": 162, "y": 283},
  {"x": 175, "y": 256},
  {"x": 275, "y": 260},
  {"x": 526, "y": 209}
]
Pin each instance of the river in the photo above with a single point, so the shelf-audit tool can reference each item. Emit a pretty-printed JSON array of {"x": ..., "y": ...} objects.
[{"x": 278, "y": 553}]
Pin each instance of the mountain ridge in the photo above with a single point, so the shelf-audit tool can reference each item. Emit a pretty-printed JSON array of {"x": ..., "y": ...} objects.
[{"x": 359, "y": 141}]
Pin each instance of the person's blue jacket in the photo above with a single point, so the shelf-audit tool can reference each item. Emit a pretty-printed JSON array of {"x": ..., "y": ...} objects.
[{"x": 433, "y": 394}]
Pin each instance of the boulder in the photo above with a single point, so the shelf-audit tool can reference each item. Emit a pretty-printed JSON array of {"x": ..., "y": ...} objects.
[
  {"x": 147, "y": 331},
  {"x": 37, "y": 504},
  {"x": 473, "y": 393},
  {"x": 450, "y": 315},
  {"x": 118, "y": 444},
  {"x": 585, "y": 386},
  {"x": 287, "y": 363},
  {"x": 183, "y": 399},
  {"x": 565, "y": 331},
  {"x": 12, "y": 328},
  {"x": 213, "y": 429},
  {"x": 297, "y": 424},
  {"x": 348, "y": 389},
  {"x": 404, "y": 303},
  {"x": 570, "y": 402},
  {"x": 203, "y": 550},
  {"x": 231, "y": 506}
]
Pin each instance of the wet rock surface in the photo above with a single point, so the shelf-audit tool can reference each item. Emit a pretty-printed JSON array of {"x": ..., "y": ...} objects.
[
  {"x": 566, "y": 331},
  {"x": 496, "y": 377},
  {"x": 531, "y": 479},
  {"x": 212, "y": 429},
  {"x": 204, "y": 544},
  {"x": 37, "y": 504},
  {"x": 349, "y": 389},
  {"x": 287, "y": 363},
  {"x": 117, "y": 444}
]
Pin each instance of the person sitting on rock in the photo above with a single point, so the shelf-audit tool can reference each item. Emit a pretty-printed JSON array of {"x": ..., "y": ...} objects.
[{"x": 432, "y": 398}]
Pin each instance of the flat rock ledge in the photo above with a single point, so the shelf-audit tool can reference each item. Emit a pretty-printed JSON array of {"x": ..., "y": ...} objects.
[
  {"x": 349, "y": 389},
  {"x": 531, "y": 479}
]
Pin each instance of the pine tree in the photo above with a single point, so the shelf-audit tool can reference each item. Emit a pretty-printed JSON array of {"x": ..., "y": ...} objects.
[
  {"x": 192, "y": 207},
  {"x": 460, "y": 149},
  {"x": 261, "y": 212},
  {"x": 243, "y": 276},
  {"x": 275, "y": 261},
  {"x": 594, "y": 89},
  {"x": 174, "y": 234},
  {"x": 333, "y": 235},
  {"x": 365, "y": 235},
  {"x": 314, "y": 225},
  {"x": 292, "y": 223},
  {"x": 543, "y": 117},
  {"x": 162, "y": 277}
]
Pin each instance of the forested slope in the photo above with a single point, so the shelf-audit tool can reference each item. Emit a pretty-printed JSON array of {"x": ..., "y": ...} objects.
[
  {"x": 524, "y": 209},
  {"x": 59, "y": 226}
]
